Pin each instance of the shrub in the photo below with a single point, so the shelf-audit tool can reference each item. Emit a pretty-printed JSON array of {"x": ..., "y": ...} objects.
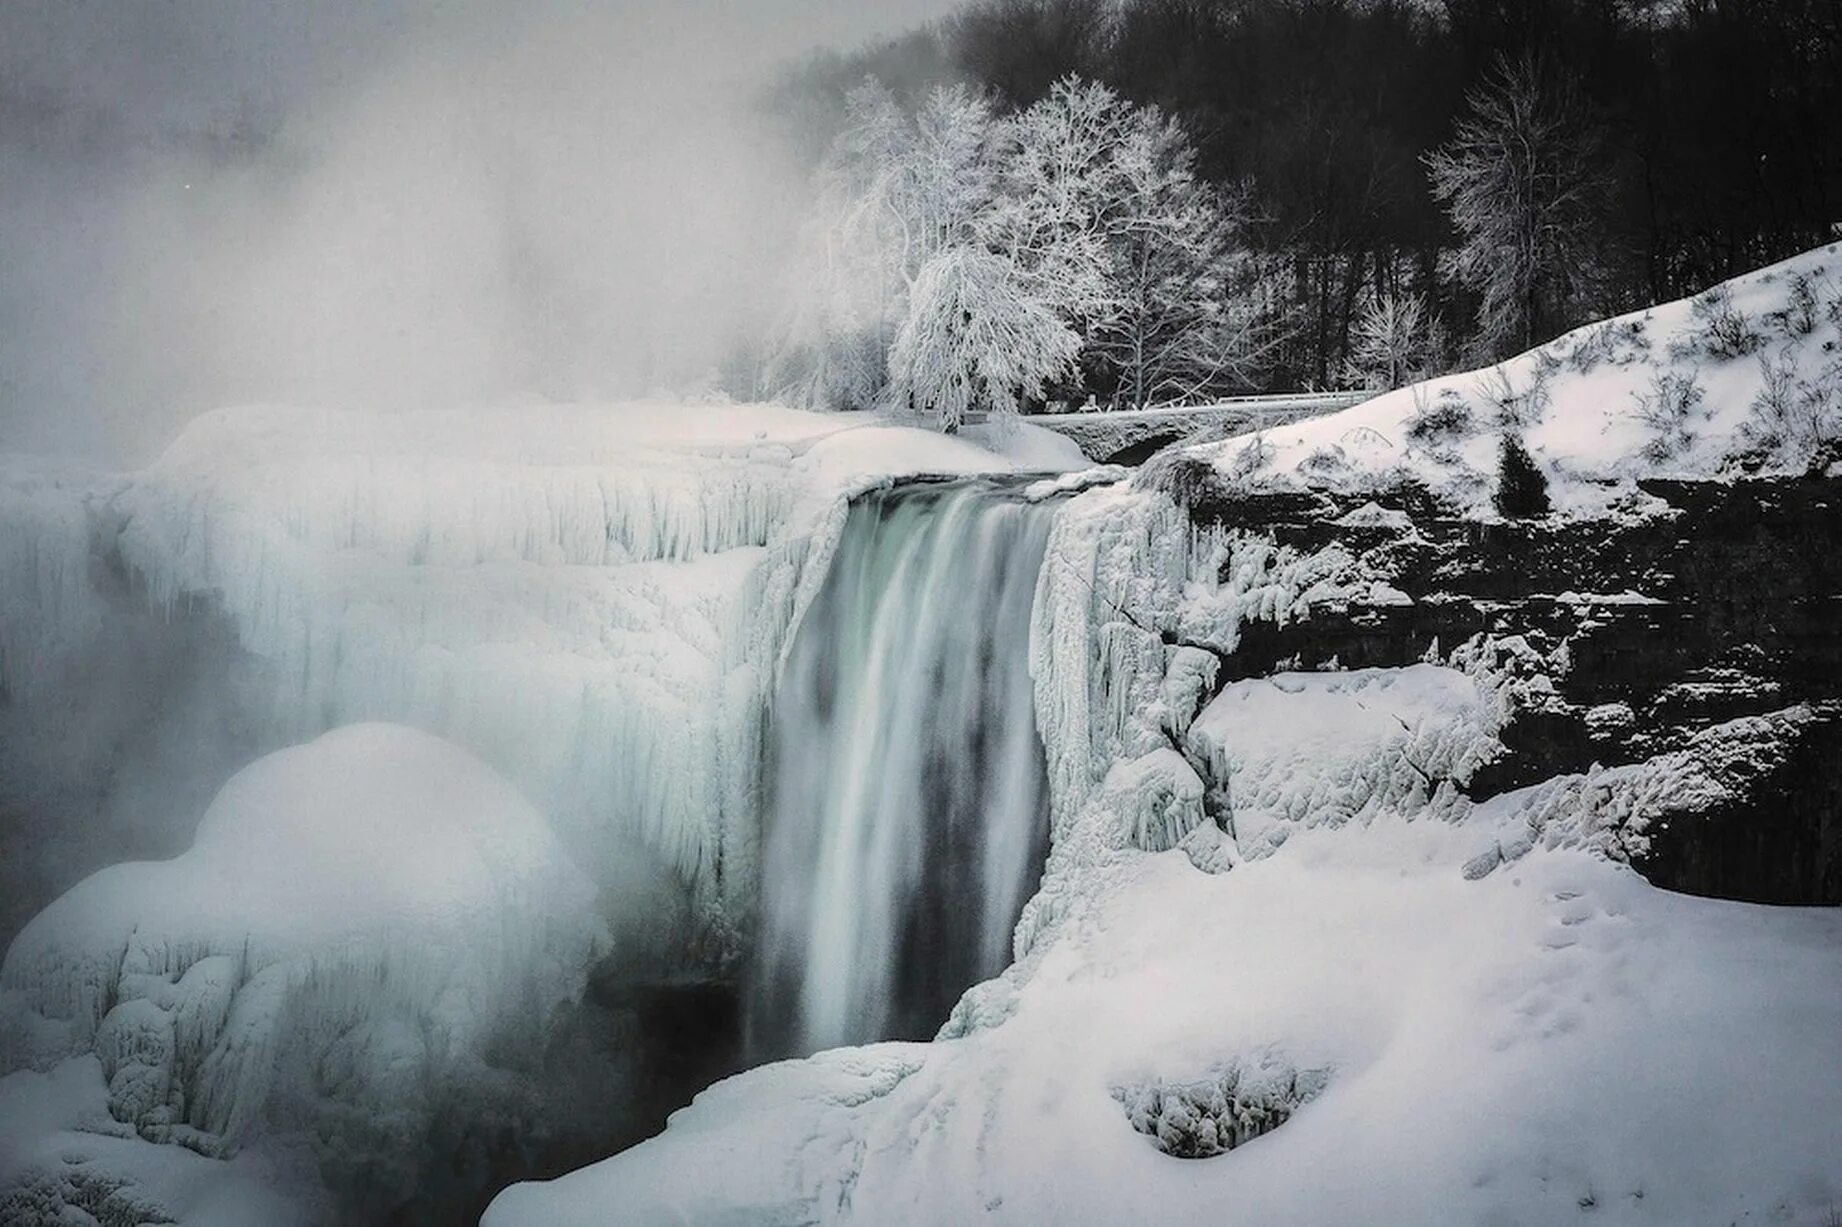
[
  {"x": 1522, "y": 490},
  {"x": 1726, "y": 332},
  {"x": 1447, "y": 418},
  {"x": 1799, "y": 316},
  {"x": 1666, "y": 409},
  {"x": 1517, "y": 407},
  {"x": 1800, "y": 417}
]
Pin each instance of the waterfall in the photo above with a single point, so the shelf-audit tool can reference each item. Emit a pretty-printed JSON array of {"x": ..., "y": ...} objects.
[{"x": 909, "y": 811}]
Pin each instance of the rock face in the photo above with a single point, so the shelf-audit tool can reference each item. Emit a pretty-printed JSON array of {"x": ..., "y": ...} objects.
[{"x": 1699, "y": 604}]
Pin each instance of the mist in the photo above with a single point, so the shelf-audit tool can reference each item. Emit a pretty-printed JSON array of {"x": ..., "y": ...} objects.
[{"x": 378, "y": 205}]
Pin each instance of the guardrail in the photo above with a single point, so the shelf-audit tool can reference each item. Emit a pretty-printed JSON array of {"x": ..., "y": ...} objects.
[{"x": 1282, "y": 406}]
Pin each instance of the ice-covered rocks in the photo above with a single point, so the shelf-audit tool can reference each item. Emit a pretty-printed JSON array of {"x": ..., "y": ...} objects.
[{"x": 1228, "y": 1106}]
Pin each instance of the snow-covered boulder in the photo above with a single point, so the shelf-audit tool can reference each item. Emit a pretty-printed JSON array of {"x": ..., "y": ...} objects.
[{"x": 358, "y": 923}]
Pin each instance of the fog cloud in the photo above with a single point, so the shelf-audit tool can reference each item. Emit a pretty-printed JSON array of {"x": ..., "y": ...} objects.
[{"x": 390, "y": 205}]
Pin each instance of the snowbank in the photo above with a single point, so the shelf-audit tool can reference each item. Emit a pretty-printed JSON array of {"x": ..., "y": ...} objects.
[
  {"x": 1746, "y": 377},
  {"x": 358, "y": 920}
]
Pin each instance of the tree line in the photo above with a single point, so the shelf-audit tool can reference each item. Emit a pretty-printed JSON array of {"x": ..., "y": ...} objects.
[{"x": 1125, "y": 201}]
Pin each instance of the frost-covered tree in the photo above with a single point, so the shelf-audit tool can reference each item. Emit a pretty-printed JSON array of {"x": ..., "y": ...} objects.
[
  {"x": 1075, "y": 228},
  {"x": 1392, "y": 341},
  {"x": 1171, "y": 328},
  {"x": 946, "y": 178},
  {"x": 894, "y": 191},
  {"x": 1523, "y": 184},
  {"x": 1058, "y": 188},
  {"x": 975, "y": 335},
  {"x": 848, "y": 278}
]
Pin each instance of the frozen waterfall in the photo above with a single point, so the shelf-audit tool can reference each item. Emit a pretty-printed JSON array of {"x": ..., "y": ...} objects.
[{"x": 909, "y": 815}]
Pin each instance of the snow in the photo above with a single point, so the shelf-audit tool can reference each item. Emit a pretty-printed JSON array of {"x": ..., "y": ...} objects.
[
  {"x": 357, "y": 921},
  {"x": 1512, "y": 1050},
  {"x": 1579, "y": 404},
  {"x": 63, "y": 1160}
]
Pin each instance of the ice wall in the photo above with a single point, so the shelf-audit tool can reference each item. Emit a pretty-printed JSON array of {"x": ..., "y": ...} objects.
[
  {"x": 595, "y": 600},
  {"x": 909, "y": 811}
]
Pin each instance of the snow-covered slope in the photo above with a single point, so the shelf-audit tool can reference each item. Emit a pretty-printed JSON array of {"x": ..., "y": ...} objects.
[
  {"x": 1745, "y": 377},
  {"x": 1566, "y": 1044},
  {"x": 357, "y": 922}
]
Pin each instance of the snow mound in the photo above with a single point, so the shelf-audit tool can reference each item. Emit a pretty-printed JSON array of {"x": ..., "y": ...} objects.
[
  {"x": 1745, "y": 377},
  {"x": 357, "y": 921}
]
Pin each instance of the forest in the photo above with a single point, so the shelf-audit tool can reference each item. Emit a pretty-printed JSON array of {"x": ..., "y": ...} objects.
[{"x": 1051, "y": 204}]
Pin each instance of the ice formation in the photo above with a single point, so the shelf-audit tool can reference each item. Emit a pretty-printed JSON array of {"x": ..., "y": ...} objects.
[
  {"x": 359, "y": 920},
  {"x": 595, "y": 600},
  {"x": 909, "y": 811},
  {"x": 48, "y": 611}
]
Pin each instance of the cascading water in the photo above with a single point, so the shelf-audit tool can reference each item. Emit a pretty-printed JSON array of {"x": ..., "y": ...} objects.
[{"x": 909, "y": 817}]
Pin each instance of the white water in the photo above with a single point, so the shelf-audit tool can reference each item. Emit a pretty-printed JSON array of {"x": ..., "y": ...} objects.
[{"x": 909, "y": 810}]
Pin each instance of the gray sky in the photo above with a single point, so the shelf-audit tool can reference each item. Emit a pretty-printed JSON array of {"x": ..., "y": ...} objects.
[{"x": 359, "y": 202}]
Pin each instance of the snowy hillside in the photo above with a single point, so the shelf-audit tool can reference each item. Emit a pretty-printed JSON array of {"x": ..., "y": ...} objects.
[{"x": 1744, "y": 378}]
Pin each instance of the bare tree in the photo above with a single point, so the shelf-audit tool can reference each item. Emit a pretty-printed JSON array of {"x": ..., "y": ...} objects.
[
  {"x": 1392, "y": 342},
  {"x": 1523, "y": 184}
]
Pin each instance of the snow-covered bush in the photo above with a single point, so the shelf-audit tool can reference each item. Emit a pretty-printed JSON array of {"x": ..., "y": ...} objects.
[
  {"x": 1801, "y": 312},
  {"x": 1225, "y": 1108},
  {"x": 1667, "y": 407},
  {"x": 1440, "y": 421},
  {"x": 1615, "y": 341},
  {"x": 1796, "y": 417}
]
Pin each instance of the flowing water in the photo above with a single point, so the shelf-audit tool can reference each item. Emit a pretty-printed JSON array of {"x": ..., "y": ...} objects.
[{"x": 909, "y": 810}]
